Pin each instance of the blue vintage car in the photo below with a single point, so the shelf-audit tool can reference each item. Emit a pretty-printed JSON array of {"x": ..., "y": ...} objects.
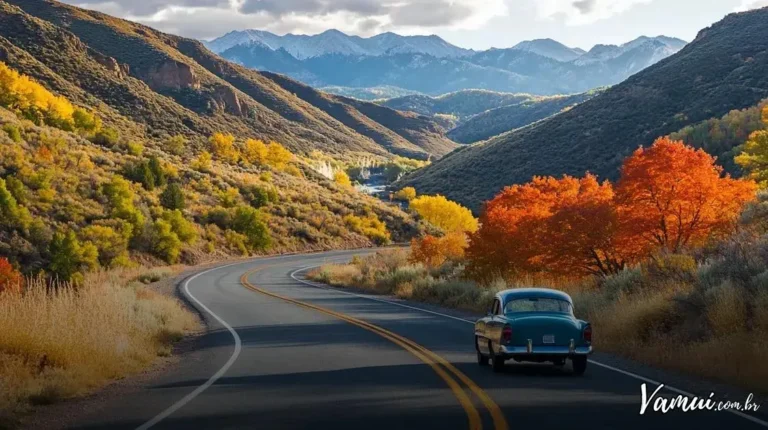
[{"x": 533, "y": 324}]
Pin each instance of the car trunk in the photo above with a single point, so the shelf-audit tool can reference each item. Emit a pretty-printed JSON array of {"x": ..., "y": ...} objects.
[{"x": 537, "y": 325}]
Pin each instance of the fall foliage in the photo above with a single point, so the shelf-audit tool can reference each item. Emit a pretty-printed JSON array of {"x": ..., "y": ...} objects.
[
  {"x": 754, "y": 156},
  {"x": 406, "y": 194},
  {"x": 435, "y": 251},
  {"x": 10, "y": 278},
  {"x": 341, "y": 178},
  {"x": 670, "y": 197},
  {"x": 441, "y": 212}
]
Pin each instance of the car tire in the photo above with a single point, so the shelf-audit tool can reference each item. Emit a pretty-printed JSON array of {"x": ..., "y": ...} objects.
[
  {"x": 579, "y": 365},
  {"x": 496, "y": 362},
  {"x": 481, "y": 359}
]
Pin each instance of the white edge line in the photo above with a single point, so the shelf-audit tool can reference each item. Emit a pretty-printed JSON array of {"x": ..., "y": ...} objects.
[
  {"x": 615, "y": 369},
  {"x": 238, "y": 347}
]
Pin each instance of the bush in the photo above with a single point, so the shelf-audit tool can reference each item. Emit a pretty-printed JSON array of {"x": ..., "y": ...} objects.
[
  {"x": 203, "y": 162},
  {"x": 223, "y": 147},
  {"x": 165, "y": 243},
  {"x": 259, "y": 197},
  {"x": 172, "y": 197},
  {"x": 249, "y": 222},
  {"x": 342, "y": 179},
  {"x": 112, "y": 245},
  {"x": 107, "y": 137},
  {"x": 369, "y": 226},
  {"x": 184, "y": 229},
  {"x": 13, "y": 132},
  {"x": 69, "y": 258},
  {"x": 176, "y": 144},
  {"x": 10, "y": 278},
  {"x": 406, "y": 194}
]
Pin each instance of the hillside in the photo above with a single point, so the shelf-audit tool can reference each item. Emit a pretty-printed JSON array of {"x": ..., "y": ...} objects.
[
  {"x": 536, "y": 67},
  {"x": 461, "y": 104},
  {"x": 100, "y": 170},
  {"x": 725, "y": 68},
  {"x": 166, "y": 82},
  {"x": 507, "y": 118}
]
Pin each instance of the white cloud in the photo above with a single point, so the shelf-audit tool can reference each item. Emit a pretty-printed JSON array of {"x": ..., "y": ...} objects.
[
  {"x": 751, "y": 4},
  {"x": 581, "y": 12},
  {"x": 211, "y": 18}
]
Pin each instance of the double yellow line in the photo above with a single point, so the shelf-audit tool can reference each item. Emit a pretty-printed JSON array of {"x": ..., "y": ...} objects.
[{"x": 444, "y": 369}]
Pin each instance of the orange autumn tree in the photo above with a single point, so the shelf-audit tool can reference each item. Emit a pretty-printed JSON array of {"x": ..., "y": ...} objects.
[
  {"x": 672, "y": 196},
  {"x": 455, "y": 221},
  {"x": 10, "y": 278},
  {"x": 435, "y": 251},
  {"x": 562, "y": 226}
]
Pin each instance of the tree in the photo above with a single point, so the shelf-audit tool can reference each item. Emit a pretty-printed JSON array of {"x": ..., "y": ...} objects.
[
  {"x": 406, "y": 194},
  {"x": 671, "y": 196},
  {"x": 562, "y": 226},
  {"x": 106, "y": 137},
  {"x": 255, "y": 151},
  {"x": 441, "y": 212},
  {"x": 165, "y": 243},
  {"x": 754, "y": 157},
  {"x": 10, "y": 278},
  {"x": 223, "y": 147},
  {"x": 12, "y": 215},
  {"x": 435, "y": 251},
  {"x": 250, "y": 222},
  {"x": 157, "y": 171},
  {"x": 369, "y": 226},
  {"x": 172, "y": 197},
  {"x": 68, "y": 257},
  {"x": 277, "y": 155},
  {"x": 120, "y": 197},
  {"x": 203, "y": 162},
  {"x": 183, "y": 228},
  {"x": 341, "y": 178},
  {"x": 86, "y": 122},
  {"x": 259, "y": 197},
  {"x": 111, "y": 245}
]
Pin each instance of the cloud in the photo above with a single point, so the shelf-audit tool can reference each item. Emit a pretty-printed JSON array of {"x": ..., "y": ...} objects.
[
  {"x": 211, "y": 18},
  {"x": 581, "y": 12},
  {"x": 751, "y": 4}
]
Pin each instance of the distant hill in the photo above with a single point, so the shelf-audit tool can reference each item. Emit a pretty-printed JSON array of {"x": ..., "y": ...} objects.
[
  {"x": 725, "y": 68},
  {"x": 511, "y": 117},
  {"x": 336, "y": 42},
  {"x": 461, "y": 104},
  {"x": 370, "y": 93},
  {"x": 176, "y": 85},
  {"x": 542, "y": 67}
]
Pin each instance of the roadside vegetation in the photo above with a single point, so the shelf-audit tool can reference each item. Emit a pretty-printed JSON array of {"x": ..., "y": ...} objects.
[
  {"x": 61, "y": 340},
  {"x": 670, "y": 263}
]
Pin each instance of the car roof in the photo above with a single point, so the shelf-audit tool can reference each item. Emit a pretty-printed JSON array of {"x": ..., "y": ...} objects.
[{"x": 527, "y": 293}]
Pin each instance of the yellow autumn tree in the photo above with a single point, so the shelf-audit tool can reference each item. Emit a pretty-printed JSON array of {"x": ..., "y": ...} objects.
[
  {"x": 441, "y": 212},
  {"x": 278, "y": 156},
  {"x": 341, "y": 178},
  {"x": 255, "y": 151},
  {"x": 754, "y": 155},
  {"x": 406, "y": 194},
  {"x": 223, "y": 147}
]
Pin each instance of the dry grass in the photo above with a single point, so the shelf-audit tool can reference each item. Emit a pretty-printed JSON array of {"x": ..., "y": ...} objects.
[
  {"x": 669, "y": 313},
  {"x": 68, "y": 341}
]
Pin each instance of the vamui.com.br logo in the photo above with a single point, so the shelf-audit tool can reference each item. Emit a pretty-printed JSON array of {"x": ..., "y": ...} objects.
[{"x": 656, "y": 403}]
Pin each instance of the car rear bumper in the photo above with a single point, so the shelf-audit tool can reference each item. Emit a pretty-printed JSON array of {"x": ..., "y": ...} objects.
[{"x": 536, "y": 350}]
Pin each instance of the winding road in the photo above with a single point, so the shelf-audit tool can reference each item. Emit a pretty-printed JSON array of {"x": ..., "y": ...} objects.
[{"x": 284, "y": 353}]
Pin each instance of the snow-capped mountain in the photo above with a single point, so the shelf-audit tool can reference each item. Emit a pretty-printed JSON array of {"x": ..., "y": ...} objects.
[
  {"x": 430, "y": 65},
  {"x": 662, "y": 47},
  {"x": 551, "y": 49},
  {"x": 336, "y": 42}
]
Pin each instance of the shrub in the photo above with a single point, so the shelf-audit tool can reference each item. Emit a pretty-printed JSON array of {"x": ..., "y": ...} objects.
[
  {"x": 112, "y": 245},
  {"x": 69, "y": 258},
  {"x": 176, "y": 144},
  {"x": 120, "y": 199},
  {"x": 369, "y": 226},
  {"x": 13, "y": 132},
  {"x": 259, "y": 197},
  {"x": 406, "y": 194},
  {"x": 255, "y": 152},
  {"x": 12, "y": 215},
  {"x": 223, "y": 147},
  {"x": 250, "y": 222},
  {"x": 203, "y": 162},
  {"x": 17, "y": 188},
  {"x": 342, "y": 179},
  {"x": 10, "y": 278},
  {"x": 165, "y": 243},
  {"x": 107, "y": 137},
  {"x": 141, "y": 173},
  {"x": 229, "y": 198},
  {"x": 87, "y": 122},
  {"x": 182, "y": 227},
  {"x": 172, "y": 197},
  {"x": 434, "y": 252}
]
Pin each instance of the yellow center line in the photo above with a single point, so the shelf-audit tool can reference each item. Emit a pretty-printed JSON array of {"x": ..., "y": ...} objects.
[{"x": 430, "y": 358}]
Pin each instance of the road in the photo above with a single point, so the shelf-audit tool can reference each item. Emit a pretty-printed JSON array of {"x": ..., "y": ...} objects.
[{"x": 283, "y": 354}]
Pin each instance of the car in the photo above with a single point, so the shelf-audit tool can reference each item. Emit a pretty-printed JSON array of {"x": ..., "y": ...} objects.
[{"x": 533, "y": 325}]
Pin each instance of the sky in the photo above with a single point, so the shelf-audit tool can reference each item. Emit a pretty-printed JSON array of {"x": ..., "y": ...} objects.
[{"x": 476, "y": 24}]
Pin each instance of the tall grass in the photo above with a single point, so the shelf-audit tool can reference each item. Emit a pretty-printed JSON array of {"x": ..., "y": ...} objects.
[{"x": 59, "y": 342}]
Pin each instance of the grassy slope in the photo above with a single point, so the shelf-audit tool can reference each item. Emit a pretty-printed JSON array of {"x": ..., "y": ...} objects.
[
  {"x": 462, "y": 104},
  {"x": 262, "y": 107},
  {"x": 725, "y": 68}
]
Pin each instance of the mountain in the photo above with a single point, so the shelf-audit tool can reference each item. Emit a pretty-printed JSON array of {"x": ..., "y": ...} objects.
[
  {"x": 524, "y": 70},
  {"x": 372, "y": 93},
  {"x": 511, "y": 117},
  {"x": 551, "y": 49},
  {"x": 176, "y": 85},
  {"x": 724, "y": 68},
  {"x": 336, "y": 42}
]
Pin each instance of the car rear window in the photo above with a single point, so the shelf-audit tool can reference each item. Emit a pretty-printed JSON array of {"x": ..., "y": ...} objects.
[{"x": 536, "y": 304}]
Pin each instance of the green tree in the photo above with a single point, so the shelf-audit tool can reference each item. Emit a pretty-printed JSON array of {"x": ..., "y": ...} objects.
[
  {"x": 86, "y": 121},
  {"x": 172, "y": 197},
  {"x": 259, "y": 197},
  {"x": 17, "y": 189},
  {"x": 165, "y": 243},
  {"x": 13, "y": 132},
  {"x": 250, "y": 222},
  {"x": 120, "y": 198},
  {"x": 107, "y": 137},
  {"x": 12, "y": 215},
  {"x": 183, "y": 228},
  {"x": 157, "y": 171},
  {"x": 69, "y": 257},
  {"x": 111, "y": 245}
]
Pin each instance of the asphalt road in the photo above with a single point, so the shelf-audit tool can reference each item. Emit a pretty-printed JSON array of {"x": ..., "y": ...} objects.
[{"x": 282, "y": 354}]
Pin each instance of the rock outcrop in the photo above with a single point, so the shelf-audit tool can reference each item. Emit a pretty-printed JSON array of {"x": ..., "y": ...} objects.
[{"x": 172, "y": 75}]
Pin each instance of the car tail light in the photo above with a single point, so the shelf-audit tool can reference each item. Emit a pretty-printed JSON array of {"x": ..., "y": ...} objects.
[
  {"x": 506, "y": 334},
  {"x": 588, "y": 333}
]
